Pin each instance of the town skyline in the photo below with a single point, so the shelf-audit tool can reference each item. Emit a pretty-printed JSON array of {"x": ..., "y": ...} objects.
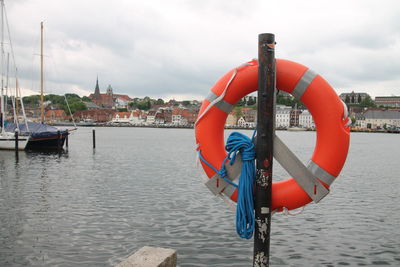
[{"x": 179, "y": 50}]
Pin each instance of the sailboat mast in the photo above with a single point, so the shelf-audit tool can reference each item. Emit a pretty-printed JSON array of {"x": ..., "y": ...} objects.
[
  {"x": 41, "y": 74},
  {"x": 16, "y": 97},
  {"x": 2, "y": 67}
]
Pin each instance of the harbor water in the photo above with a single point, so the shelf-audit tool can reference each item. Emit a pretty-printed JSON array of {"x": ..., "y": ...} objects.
[{"x": 141, "y": 186}]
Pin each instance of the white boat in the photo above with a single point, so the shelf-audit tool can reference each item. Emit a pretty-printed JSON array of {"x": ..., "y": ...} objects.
[{"x": 7, "y": 141}]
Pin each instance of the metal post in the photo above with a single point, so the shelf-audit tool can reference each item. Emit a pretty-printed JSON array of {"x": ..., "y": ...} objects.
[
  {"x": 94, "y": 138},
  {"x": 16, "y": 140},
  {"x": 264, "y": 149}
]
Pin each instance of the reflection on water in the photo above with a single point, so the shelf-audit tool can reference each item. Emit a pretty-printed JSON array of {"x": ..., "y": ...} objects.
[{"x": 141, "y": 187}]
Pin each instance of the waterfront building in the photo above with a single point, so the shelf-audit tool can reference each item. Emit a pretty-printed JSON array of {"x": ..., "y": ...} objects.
[
  {"x": 136, "y": 117},
  {"x": 121, "y": 117},
  {"x": 282, "y": 116},
  {"x": 182, "y": 116},
  {"x": 121, "y": 101},
  {"x": 246, "y": 124},
  {"x": 97, "y": 115},
  {"x": 306, "y": 120},
  {"x": 380, "y": 118},
  {"x": 159, "y": 118},
  {"x": 353, "y": 98},
  {"x": 388, "y": 101},
  {"x": 294, "y": 117},
  {"x": 151, "y": 117},
  {"x": 250, "y": 116},
  {"x": 241, "y": 122},
  {"x": 55, "y": 115}
]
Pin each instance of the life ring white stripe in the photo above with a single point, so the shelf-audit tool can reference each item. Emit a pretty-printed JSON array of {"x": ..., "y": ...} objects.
[
  {"x": 320, "y": 173},
  {"x": 303, "y": 83},
  {"x": 222, "y": 104}
]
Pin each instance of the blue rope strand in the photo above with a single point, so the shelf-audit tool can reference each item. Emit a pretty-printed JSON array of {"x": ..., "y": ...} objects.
[
  {"x": 240, "y": 143},
  {"x": 245, "y": 221}
]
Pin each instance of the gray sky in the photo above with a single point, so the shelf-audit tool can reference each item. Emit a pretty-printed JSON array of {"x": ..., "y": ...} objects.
[{"x": 180, "y": 48}]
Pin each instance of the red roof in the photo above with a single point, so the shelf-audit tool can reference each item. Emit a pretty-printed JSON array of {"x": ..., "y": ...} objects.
[
  {"x": 122, "y": 114},
  {"x": 123, "y": 97},
  {"x": 187, "y": 114},
  {"x": 136, "y": 113},
  {"x": 151, "y": 113}
]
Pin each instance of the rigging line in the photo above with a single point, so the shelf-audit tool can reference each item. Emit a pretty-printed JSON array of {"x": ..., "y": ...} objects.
[
  {"x": 9, "y": 38},
  {"x": 65, "y": 96},
  {"x": 17, "y": 88}
]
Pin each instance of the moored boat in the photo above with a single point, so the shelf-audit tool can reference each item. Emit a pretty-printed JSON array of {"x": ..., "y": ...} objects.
[
  {"x": 7, "y": 141},
  {"x": 43, "y": 136}
]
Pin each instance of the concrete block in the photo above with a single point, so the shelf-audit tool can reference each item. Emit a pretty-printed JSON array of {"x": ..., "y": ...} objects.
[{"x": 151, "y": 257}]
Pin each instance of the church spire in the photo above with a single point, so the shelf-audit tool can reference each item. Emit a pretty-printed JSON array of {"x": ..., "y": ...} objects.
[{"x": 97, "y": 89}]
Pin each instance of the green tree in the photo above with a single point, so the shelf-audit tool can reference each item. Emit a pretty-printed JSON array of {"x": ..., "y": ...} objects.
[
  {"x": 75, "y": 106},
  {"x": 186, "y": 103},
  {"x": 133, "y": 105},
  {"x": 32, "y": 100},
  {"x": 251, "y": 101},
  {"x": 71, "y": 98},
  {"x": 160, "y": 101},
  {"x": 240, "y": 103},
  {"x": 54, "y": 99},
  {"x": 367, "y": 102},
  {"x": 86, "y": 99},
  {"x": 144, "y": 105}
]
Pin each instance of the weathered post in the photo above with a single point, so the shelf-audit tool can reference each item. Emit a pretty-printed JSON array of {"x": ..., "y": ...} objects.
[
  {"x": 264, "y": 148},
  {"x": 16, "y": 134},
  {"x": 59, "y": 141},
  {"x": 66, "y": 140},
  {"x": 94, "y": 138}
]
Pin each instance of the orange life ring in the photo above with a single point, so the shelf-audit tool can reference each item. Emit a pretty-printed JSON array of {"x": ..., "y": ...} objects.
[{"x": 329, "y": 114}]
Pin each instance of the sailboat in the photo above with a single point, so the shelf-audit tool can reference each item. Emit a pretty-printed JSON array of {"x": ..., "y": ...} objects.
[
  {"x": 43, "y": 136},
  {"x": 8, "y": 140}
]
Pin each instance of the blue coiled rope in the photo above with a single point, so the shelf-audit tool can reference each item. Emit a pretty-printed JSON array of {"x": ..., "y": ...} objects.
[{"x": 240, "y": 143}]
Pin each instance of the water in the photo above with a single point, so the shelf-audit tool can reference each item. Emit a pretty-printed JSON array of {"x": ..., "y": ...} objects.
[{"x": 141, "y": 187}]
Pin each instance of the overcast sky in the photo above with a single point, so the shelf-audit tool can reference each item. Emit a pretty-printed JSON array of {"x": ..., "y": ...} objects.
[{"x": 179, "y": 49}]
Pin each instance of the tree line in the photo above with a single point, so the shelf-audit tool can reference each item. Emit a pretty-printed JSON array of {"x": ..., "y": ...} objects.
[{"x": 74, "y": 101}]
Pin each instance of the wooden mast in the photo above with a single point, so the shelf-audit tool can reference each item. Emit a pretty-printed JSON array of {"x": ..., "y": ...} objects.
[
  {"x": 41, "y": 74},
  {"x": 16, "y": 97},
  {"x": 3, "y": 117}
]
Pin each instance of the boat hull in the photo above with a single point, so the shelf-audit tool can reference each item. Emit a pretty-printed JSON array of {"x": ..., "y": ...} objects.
[
  {"x": 8, "y": 143},
  {"x": 46, "y": 143}
]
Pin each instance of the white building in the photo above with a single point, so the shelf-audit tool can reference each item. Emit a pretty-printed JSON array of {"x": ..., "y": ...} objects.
[
  {"x": 282, "y": 118},
  {"x": 379, "y": 119},
  {"x": 151, "y": 117},
  {"x": 121, "y": 117},
  {"x": 242, "y": 123},
  {"x": 306, "y": 120}
]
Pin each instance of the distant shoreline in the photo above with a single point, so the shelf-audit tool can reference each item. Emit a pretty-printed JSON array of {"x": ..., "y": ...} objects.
[{"x": 191, "y": 127}]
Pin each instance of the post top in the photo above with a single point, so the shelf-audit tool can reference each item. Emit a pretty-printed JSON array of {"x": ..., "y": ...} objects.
[{"x": 266, "y": 38}]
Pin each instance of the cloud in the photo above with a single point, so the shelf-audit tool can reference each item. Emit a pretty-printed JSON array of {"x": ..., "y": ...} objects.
[{"x": 180, "y": 48}]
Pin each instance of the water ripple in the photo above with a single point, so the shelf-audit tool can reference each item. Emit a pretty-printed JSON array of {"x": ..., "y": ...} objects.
[{"x": 141, "y": 187}]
